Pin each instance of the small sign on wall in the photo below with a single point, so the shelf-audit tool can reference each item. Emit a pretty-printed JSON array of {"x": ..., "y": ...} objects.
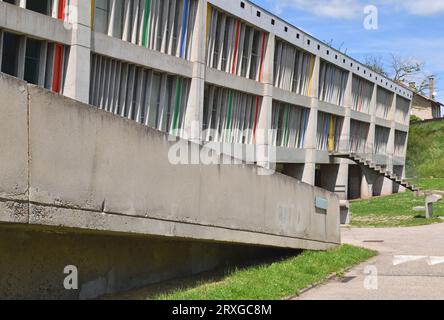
[{"x": 321, "y": 203}]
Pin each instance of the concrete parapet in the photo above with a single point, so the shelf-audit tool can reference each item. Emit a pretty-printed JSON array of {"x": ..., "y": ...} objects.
[{"x": 66, "y": 165}]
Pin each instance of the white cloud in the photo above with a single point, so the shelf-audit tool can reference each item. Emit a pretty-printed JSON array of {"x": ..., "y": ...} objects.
[
  {"x": 343, "y": 9},
  {"x": 350, "y": 9},
  {"x": 425, "y": 7},
  {"x": 418, "y": 7}
]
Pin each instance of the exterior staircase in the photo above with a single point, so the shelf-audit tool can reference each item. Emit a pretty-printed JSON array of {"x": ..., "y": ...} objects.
[{"x": 375, "y": 168}]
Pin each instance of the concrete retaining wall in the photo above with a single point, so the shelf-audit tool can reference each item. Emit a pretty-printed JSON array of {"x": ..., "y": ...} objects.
[{"x": 66, "y": 164}]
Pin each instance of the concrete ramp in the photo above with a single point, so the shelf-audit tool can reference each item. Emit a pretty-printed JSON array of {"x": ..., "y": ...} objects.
[
  {"x": 69, "y": 168},
  {"x": 67, "y": 164}
]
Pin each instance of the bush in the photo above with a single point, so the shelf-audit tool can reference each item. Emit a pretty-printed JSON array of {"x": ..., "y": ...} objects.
[{"x": 414, "y": 118}]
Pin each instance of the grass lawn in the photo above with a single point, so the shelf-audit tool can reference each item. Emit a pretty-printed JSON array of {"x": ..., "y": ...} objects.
[
  {"x": 278, "y": 280},
  {"x": 425, "y": 150},
  {"x": 397, "y": 210},
  {"x": 430, "y": 184}
]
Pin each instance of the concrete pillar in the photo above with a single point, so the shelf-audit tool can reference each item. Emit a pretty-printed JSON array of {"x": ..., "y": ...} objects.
[
  {"x": 373, "y": 105},
  {"x": 22, "y": 3},
  {"x": 311, "y": 134},
  {"x": 194, "y": 113},
  {"x": 387, "y": 185},
  {"x": 341, "y": 188},
  {"x": 370, "y": 143},
  {"x": 367, "y": 184},
  {"x": 344, "y": 144},
  {"x": 79, "y": 62},
  {"x": 369, "y": 178},
  {"x": 402, "y": 174},
  {"x": 265, "y": 156}
]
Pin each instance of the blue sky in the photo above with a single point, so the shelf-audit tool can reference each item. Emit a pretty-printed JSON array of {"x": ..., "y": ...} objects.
[{"x": 412, "y": 29}]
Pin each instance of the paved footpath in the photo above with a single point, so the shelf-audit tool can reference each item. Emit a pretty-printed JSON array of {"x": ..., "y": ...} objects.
[{"x": 398, "y": 275}]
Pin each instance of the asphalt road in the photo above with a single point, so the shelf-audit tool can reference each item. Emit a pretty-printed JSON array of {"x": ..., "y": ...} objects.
[{"x": 410, "y": 265}]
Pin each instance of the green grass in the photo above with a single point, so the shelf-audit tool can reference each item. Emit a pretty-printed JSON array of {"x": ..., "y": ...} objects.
[
  {"x": 397, "y": 210},
  {"x": 425, "y": 162},
  {"x": 425, "y": 155},
  {"x": 278, "y": 280},
  {"x": 429, "y": 184}
]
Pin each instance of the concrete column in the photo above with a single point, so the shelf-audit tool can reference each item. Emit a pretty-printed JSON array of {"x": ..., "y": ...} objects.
[
  {"x": 265, "y": 158},
  {"x": 367, "y": 184},
  {"x": 370, "y": 145},
  {"x": 194, "y": 113},
  {"x": 311, "y": 134},
  {"x": 391, "y": 142},
  {"x": 373, "y": 105},
  {"x": 22, "y": 3},
  {"x": 344, "y": 144},
  {"x": 341, "y": 187},
  {"x": 369, "y": 178},
  {"x": 387, "y": 186},
  {"x": 392, "y": 112},
  {"x": 79, "y": 62},
  {"x": 342, "y": 178},
  {"x": 401, "y": 189}
]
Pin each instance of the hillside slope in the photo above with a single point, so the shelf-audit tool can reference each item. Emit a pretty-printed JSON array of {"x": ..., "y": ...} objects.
[{"x": 425, "y": 153}]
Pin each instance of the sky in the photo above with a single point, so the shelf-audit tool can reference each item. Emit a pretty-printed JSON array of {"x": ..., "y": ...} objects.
[{"x": 411, "y": 29}]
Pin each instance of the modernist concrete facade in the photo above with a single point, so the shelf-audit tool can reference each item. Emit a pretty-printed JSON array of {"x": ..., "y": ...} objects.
[
  {"x": 225, "y": 65},
  {"x": 221, "y": 71}
]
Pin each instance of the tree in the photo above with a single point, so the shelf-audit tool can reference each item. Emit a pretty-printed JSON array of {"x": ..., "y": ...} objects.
[
  {"x": 375, "y": 64},
  {"x": 401, "y": 70},
  {"x": 424, "y": 85}
]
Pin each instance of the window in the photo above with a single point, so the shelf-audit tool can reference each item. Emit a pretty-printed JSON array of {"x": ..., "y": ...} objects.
[
  {"x": 234, "y": 46},
  {"x": 230, "y": 116},
  {"x": 293, "y": 68},
  {"x": 155, "y": 99},
  {"x": 10, "y": 57},
  {"x": 332, "y": 83},
  {"x": 289, "y": 124},
  {"x": 32, "y": 61},
  {"x": 329, "y": 131},
  {"x": 40, "y": 6}
]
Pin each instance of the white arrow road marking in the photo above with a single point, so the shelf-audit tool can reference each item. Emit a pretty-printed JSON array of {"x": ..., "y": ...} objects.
[
  {"x": 433, "y": 261},
  {"x": 397, "y": 260}
]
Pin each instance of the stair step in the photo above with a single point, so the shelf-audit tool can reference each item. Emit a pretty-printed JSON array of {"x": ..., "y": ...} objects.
[{"x": 378, "y": 169}]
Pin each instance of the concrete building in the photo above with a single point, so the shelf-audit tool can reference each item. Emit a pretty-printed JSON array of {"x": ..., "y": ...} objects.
[
  {"x": 244, "y": 76},
  {"x": 227, "y": 65},
  {"x": 426, "y": 108}
]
